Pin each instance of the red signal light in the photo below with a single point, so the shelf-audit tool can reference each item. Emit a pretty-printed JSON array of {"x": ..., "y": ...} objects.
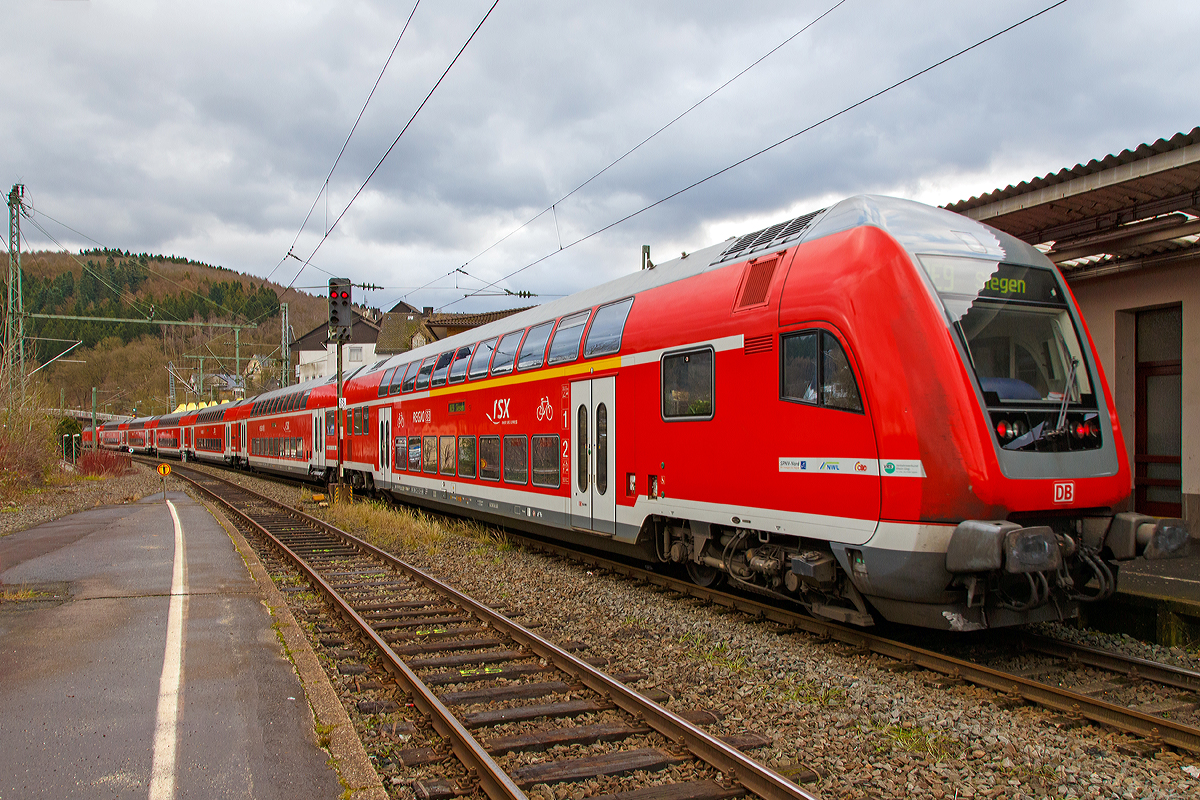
[
  {"x": 1002, "y": 429},
  {"x": 345, "y": 295}
]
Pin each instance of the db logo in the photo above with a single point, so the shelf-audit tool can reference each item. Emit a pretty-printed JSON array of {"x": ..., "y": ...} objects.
[{"x": 1064, "y": 492}]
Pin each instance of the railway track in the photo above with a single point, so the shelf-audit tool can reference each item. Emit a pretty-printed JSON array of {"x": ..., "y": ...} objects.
[
  {"x": 477, "y": 675},
  {"x": 1152, "y": 724}
]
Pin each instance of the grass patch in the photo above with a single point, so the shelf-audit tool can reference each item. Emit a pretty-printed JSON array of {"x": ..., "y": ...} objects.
[
  {"x": 403, "y": 529},
  {"x": 9, "y": 594},
  {"x": 915, "y": 739},
  {"x": 719, "y": 654}
]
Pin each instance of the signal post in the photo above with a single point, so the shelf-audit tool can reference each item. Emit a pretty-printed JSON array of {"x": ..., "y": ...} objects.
[{"x": 341, "y": 320}]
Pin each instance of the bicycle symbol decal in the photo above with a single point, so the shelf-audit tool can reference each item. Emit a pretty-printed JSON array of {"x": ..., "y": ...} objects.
[{"x": 545, "y": 410}]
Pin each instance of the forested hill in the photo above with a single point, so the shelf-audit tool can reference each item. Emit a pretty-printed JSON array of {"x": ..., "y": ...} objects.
[
  {"x": 113, "y": 283},
  {"x": 127, "y": 361}
]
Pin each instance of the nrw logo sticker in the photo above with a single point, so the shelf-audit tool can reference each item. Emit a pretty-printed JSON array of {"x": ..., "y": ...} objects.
[{"x": 1064, "y": 492}]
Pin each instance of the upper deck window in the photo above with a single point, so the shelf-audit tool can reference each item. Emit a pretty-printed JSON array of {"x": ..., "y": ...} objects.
[
  {"x": 386, "y": 381},
  {"x": 533, "y": 352},
  {"x": 481, "y": 359},
  {"x": 604, "y": 337},
  {"x": 424, "y": 373},
  {"x": 458, "y": 369},
  {"x": 506, "y": 353},
  {"x": 410, "y": 376},
  {"x": 815, "y": 370},
  {"x": 442, "y": 368},
  {"x": 565, "y": 345}
]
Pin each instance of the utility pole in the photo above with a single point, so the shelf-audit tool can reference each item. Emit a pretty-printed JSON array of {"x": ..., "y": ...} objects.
[
  {"x": 14, "y": 329},
  {"x": 95, "y": 443},
  {"x": 285, "y": 351},
  {"x": 171, "y": 385}
]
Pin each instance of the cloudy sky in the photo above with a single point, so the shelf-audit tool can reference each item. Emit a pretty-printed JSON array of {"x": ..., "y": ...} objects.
[{"x": 208, "y": 129}]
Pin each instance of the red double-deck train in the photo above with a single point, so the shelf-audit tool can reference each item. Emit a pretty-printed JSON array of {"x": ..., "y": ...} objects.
[{"x": 876, "y": 408}]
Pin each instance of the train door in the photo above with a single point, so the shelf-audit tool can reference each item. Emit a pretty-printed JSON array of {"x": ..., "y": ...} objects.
[
  {"x": 228, "y": 441},
  {"x": 318, "y": 440},
  {"x": 331, "y": 442},
  {"x": 593, "y": 428},
  {"x": 383, "y": 435}
]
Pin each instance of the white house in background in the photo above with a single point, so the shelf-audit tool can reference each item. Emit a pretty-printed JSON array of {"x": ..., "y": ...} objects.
[{"x": 314, "y": 356}]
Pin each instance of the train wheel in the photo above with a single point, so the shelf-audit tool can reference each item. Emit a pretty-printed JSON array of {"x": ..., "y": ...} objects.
[{"x": 704, "y": 575}]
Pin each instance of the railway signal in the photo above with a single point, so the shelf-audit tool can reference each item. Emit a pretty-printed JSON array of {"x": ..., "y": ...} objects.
[{"x": 340, "y": 313}]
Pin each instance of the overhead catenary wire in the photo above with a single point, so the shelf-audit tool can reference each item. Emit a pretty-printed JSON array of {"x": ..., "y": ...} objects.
[
  {"x": 768, "y": 148},
  {"x": 353, "y": 128},
  {"x": 553, "y": 206},
  {"x": 407, "y": 125}
]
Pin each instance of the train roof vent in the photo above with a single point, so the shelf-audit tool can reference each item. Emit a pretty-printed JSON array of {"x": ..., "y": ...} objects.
[
  {"x": 769, "y": 238},
  {"x": 756, "y": 285}
]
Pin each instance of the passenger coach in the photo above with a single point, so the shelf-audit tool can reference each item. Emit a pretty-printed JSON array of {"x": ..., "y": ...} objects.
[{"x": 878, "y": 407}]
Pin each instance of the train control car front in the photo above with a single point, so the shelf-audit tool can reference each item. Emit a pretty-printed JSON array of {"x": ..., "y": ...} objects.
[{"x": 1024, "y": 476}]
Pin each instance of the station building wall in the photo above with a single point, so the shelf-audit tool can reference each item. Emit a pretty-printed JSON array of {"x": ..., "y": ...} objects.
[{"x": 1110, "y": 305}]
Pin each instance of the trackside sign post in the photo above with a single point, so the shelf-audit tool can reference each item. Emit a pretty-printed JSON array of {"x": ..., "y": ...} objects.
[{"x": 164, "y": 470}]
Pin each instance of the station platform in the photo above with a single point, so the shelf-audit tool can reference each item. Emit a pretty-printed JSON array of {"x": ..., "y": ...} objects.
[
  {"x": 130, "y": 666},
  {"x": 1157, "y": 601}
]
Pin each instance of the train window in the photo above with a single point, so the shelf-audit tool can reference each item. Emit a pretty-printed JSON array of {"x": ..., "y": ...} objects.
[
  {"x": 602, "y": 448},
  {"x": 304, "y": 399},
  {"x": 401, "y": 457},
  {"x": 506, "y": 352},
  {"x": 481, "y": 359},
  {"x": 424, "y": 373},
  {"x": 458, "y": 369},
  {"x": 815, "y": 370},
  {"x": 604, "y": 337},
  {"x": 581, "y": 447},
  {"x": 410, "y": 377},
  {"x": 800, "y": 374},
  {"x": 489, "y": 457},
  {"x": 838, "y": 388},
  {"x": 396, "y": 380},
  {"x": 446, "y": 463},
  {"x": 546, "y": 450},
  {"x": 565, "y": 345},
  {"x": 687, "y": 385},
  {"x": 357, "y": 421},
  {"x": 466, "y": 456},
  {"x": 330, "y": 424},
  {"x": 441, "y": 368},
  {"x": 430, "y": 455},
  {"x": 533, "y": 352},
  {"x": 385, "y": 382},
  {"x": 414, "y": 453},
  {"x": 366, "y": 426},
  {"x": 516, "y": 459}
]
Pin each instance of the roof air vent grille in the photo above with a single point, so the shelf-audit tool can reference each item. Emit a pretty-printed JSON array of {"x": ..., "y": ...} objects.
[{"x": 769, "y": 238}]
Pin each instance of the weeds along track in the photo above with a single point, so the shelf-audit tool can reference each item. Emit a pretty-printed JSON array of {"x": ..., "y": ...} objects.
[{"x": 503, "y": 708}]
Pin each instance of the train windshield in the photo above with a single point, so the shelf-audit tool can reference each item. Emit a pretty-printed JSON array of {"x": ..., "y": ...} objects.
[{"x": 1019, "y": 334}]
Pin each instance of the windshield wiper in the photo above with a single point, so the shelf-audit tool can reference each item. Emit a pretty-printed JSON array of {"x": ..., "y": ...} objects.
[{"x": 1061, "y": 427}]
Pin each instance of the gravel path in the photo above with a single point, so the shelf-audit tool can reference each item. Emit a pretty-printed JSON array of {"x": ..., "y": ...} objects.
[
  {"x": 74, "y": 494},
  {"x": 865, "y": 730}
]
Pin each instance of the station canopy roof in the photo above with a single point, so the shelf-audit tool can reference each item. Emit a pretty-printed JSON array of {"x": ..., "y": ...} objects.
[{"x": 1138, "y": 208}]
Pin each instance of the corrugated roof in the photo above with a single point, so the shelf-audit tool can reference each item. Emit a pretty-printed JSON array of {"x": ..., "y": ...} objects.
[
  {"x": 458, "y": 320},
  {"x": 1142, "y": 151},
  {"x": 1134, "y": 209}
]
